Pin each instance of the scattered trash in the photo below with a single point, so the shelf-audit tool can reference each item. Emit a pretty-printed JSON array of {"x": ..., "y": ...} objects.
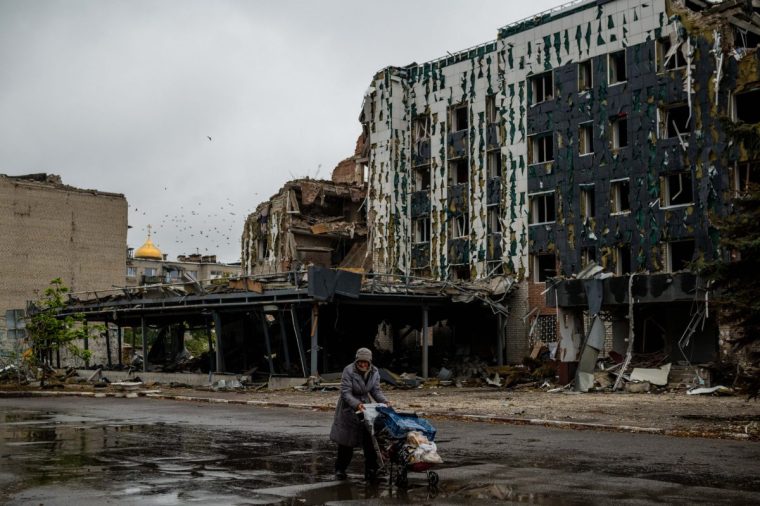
[
  {"x": 718, "y": 390},
  {"x": 127, "y": 385},
  {"x": 638, "y": 388},
  {"x": 654, "y": 376}
]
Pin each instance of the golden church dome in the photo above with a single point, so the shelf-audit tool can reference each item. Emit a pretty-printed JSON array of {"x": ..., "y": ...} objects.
[{"x": 149, "y": 250}]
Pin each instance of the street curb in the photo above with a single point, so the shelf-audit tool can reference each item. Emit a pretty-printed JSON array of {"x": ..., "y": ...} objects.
[{"x": 441, "y": 415}]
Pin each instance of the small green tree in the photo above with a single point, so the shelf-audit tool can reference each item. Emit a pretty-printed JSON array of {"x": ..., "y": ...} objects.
[
  {"x": 48, "y": 332},
  {"x": 734, "y": 277}
]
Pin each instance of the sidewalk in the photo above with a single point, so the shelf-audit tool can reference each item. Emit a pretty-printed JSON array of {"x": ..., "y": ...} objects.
[{"x": 674, "y": 414}]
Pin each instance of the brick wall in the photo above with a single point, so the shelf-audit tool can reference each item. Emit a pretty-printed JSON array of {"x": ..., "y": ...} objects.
[
  {"x": 537, "y": 299},
  {"x": 50, "y": 230},
  {"x": 348, "y": 172}
]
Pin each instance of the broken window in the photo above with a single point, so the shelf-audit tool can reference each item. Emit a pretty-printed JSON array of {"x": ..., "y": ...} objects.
[
  {"x": 421, "y": 129},
  {"x": 542, "y": 87},
  {"x": 541, "y": 148},
  {"x": 459, "y": 226},
  {"x": 150, "y": 271},
  {"x": 678, "y": 255},
  {"x": 677, "y": 189},
  {"x": 542, "y": 208},
  {"x": 494, "y": 164},
  {"x": 746, "y": 106},
  {"x": 544, "y": 267},
  {"x": 669, "y": 55},
  {"x": 619, "y": 196},
  {"x": 460, "y": 272},
  {"x": 588, "y": 202},
  {"x": 674, "y": 121},
  {"x": 458, "y": 171},
  {"x": 131, "y": 272},
  {"x": 745, "y": 39},
  {"x": 617, "y": 69},
  {"x": 422, "y": 230},
  {"x": 584, "y": 76},
  {"x": 261, "y": 248},
  {"x": 588, "y": 255},
  {"x": 459, "y": 120},
  {"x": 422, "y": 178},
  {"x": 586, "y": 139},
  {"x": 491, "y": 112},
  {"x": 743, "y": 175},
  {"x": 623, "y": 260},
  {"x": 619, "y": 130},
  {"x": 494, "y": 223}
]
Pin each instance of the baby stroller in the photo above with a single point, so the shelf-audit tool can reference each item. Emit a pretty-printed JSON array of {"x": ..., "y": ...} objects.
[{"x": 403, "y": 442}]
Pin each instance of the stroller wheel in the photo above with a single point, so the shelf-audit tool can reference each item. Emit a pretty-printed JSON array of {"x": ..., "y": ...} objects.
[{"x": 432, "y": 479}]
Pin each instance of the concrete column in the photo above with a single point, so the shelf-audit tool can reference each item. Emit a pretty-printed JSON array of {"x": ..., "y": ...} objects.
[
  {"x": 144, "y": 336},
  {"x": 500, "y": 340},
  {"x": 425, "y": 331},
  {"x": 219, "y": 354},
  {"x": 314, "y": 338},
  {"x": 267, "y": 341},
  {"x": 108, "y": 345},
  {"x": 118, "y": 343},
  {"x": 299, "y": 341},
  {"x": 284, "y": 337}
]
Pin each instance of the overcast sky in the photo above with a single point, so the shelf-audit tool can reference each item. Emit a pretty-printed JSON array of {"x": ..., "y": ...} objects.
[{"x": 120, "y": 96}]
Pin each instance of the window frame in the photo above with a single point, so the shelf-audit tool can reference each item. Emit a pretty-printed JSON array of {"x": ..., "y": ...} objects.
[
  {"x": 419, "y": 178},
  {"x": 668, "y": 251},
  {"x": 586, "y": 138},
  {"x": 582, "y": 66},
  {"x": 494, "y": 154},
  {"x": 538, "y": 82},
  {"x": 459, "y": 226},
  {"x": 533, "y": 213},
  {"x": 456, "y": 162},
  {"x": 663, "y": 129},
  {"x": 534, "y": 148},
  {"x": 662, "y": 53},
  {"x": 610, "y": 57},
  {"x": 615, "y": 128},
  {"x": 616, "y": 196},
  {"x": 454, "y": 118},
  {"x": 666, "y": 197},
  {"x": 421, "y": 230},
  {"x": 620, "y": 269},
  {"x": 493, "y": 217},
  {"x": 587, "y": 201},
  {"x": 536, "y": 267}
]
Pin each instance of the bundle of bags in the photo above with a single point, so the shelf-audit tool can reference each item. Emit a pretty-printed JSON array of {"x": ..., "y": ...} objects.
[{"x": 421, "y": 449}]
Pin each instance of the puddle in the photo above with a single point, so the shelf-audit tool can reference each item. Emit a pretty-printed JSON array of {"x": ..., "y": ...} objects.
[{"x": 46, "y": 458}]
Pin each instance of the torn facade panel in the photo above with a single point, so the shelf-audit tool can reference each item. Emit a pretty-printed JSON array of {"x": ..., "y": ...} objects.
[{"x": 590, "y": 133}]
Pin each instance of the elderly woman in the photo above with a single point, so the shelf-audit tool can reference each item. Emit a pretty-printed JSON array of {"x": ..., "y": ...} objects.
[{"x": 359, "y": 384}]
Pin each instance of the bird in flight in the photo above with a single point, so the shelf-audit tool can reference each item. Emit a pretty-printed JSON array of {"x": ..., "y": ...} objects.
[{"x": 208, "y": 137}]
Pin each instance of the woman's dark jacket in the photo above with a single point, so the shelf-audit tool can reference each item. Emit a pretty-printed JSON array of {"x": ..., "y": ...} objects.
[{"x": 347, "y": 429}]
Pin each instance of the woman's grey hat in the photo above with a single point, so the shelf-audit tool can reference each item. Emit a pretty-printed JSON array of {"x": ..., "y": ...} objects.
[{"x": 364, "y": 354}]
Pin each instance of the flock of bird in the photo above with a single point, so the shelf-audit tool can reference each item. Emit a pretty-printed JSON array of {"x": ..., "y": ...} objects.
[
  {"x": 210, "y": 227},
  {"x": 195, "y": 227}
]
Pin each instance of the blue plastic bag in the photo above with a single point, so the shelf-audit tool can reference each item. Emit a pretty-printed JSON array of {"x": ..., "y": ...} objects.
[{"x": 398, "y": 424}]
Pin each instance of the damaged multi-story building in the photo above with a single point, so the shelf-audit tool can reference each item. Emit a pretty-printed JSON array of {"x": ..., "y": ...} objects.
[
  {"x": 588, "y": 133},
  {"x": 554, "y": 184}
]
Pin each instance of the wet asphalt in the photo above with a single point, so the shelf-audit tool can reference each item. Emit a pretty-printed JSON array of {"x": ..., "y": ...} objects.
[{"x": 142, "y": 451}]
